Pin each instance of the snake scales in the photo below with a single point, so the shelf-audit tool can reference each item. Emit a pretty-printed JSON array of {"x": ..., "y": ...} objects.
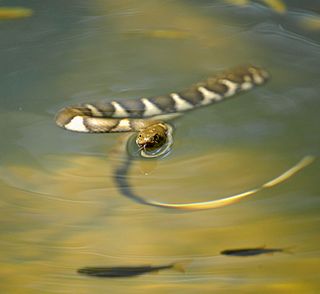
[{"x": 148, "y": 116}]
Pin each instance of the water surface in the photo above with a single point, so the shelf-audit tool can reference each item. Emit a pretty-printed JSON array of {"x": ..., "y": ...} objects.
[{"x": 60, "y": 209}]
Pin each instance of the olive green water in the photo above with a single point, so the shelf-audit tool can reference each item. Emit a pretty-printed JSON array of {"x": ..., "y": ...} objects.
[{"x": 59, "y": 207}]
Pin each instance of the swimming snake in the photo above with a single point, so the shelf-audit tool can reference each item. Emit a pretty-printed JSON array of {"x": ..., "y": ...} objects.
[{"x": 148, "y": 117}]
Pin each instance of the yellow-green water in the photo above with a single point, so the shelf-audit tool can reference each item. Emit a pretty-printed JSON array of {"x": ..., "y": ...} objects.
[{"x": 60, "y": 209}]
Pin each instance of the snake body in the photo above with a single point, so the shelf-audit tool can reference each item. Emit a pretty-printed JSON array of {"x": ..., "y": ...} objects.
[
  {"x": 139, "y": 114},
  {"x": 147, "y": 116}
]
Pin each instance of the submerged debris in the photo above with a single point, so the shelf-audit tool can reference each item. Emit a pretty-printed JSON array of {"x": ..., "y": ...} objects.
[
  {"x": 14, "y": 12},
  {"x": 174, "y": 34},
  {"x": 276, "y": 5},
  {"x": 238, "y": 2},
  {"x": 311, "y": 22}
]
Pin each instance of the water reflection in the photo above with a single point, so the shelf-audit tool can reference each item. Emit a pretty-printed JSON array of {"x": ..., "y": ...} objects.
[{"x": 60, "y": 209}]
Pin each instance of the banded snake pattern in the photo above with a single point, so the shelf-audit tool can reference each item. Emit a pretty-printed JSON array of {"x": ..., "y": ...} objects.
[{"x": 135, "y": 115}]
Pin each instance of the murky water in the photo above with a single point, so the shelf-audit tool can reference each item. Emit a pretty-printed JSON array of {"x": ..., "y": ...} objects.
[{"x": 60, "y": 209}]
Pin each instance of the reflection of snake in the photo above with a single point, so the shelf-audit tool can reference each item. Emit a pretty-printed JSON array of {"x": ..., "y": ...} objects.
[{"x": 121, "y": 179}]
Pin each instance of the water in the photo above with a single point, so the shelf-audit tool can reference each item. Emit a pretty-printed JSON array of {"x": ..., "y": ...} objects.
[{"x": 60, "y": 209}]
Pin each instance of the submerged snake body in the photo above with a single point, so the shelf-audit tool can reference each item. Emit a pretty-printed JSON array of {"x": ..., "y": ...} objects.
[{"x": 136, "y": 115}]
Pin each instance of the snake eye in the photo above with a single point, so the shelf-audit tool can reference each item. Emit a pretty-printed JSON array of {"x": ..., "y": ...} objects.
[{"x": 156, "y": 137}]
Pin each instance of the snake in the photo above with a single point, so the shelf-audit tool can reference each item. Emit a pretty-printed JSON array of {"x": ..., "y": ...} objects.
[{"x": 148, "y": 118}]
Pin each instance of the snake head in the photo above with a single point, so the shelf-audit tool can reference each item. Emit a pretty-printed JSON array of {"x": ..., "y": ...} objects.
[{"x": 152, "y": 137}]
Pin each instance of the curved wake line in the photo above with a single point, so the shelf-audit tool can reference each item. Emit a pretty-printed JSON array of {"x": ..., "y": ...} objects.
[{"x": 121, "y": 179}]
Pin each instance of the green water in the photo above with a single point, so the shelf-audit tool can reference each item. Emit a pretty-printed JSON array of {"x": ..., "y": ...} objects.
[{"x": 60, "y": 209}]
